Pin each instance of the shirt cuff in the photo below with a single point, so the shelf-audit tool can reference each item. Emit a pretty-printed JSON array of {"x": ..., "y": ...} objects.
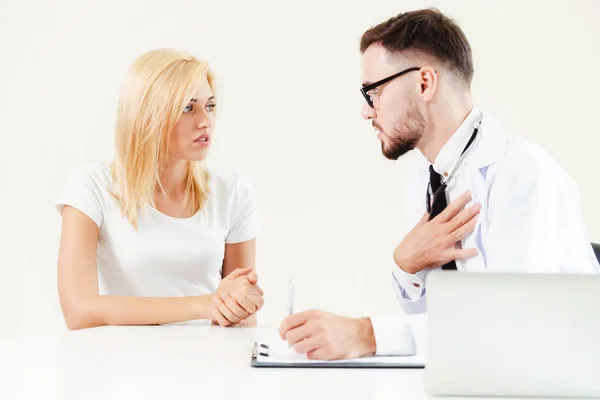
[
  {"x": 412, "y": 285},
  {"x": 393, "y": 336}
]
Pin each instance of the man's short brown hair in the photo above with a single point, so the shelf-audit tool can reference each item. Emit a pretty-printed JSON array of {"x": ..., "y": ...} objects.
[{"x": 426, "y": 32}]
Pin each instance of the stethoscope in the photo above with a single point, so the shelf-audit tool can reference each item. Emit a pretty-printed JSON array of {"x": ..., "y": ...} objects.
[{"x": 474, "y": 140}]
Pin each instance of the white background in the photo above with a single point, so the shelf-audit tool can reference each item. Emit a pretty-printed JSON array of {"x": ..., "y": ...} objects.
[{"x": 289, "y": 74}]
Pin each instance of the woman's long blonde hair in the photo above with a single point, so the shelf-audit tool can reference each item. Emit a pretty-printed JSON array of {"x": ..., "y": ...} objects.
[{"x": 159, "y": 85}]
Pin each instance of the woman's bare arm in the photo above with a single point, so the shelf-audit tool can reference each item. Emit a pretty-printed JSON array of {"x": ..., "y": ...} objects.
[{"x": 81, "y": 304}]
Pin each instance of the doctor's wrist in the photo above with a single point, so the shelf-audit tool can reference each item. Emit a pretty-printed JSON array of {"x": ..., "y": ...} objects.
[
  {"x": 366, "y": 337},
  {"x": 404, "y": 265}
]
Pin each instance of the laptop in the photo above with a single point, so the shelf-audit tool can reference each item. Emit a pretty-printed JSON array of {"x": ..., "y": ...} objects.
[{"x": 492, "y": 334}]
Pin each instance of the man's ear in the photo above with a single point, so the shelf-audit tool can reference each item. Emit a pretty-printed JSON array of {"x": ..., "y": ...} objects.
[{"x": 428, "y": 83}]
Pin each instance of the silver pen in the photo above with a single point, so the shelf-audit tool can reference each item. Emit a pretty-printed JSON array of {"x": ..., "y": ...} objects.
[
  {"x": 290, "y": 297},
  {"x": 290, "y": 300}
]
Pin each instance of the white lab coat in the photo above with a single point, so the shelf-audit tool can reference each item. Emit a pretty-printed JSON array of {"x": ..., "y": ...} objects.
[{"x": 530, "y": 219}]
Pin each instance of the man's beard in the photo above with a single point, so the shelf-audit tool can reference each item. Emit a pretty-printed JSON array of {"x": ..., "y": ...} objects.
[{"x": 405, "y": 135}]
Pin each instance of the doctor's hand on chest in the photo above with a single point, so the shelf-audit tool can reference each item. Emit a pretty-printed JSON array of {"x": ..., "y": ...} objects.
[{"x": 431, "y": 243}]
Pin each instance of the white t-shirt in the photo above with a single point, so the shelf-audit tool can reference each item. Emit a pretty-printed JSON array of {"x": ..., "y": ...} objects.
[{"x": 166, "y": 256}]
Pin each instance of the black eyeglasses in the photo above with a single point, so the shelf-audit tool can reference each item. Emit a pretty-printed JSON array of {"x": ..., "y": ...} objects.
[{"x": 366, "y": 89}]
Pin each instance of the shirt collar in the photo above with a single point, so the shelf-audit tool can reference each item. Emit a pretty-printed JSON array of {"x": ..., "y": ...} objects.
[{"x": 450, "y": 153}]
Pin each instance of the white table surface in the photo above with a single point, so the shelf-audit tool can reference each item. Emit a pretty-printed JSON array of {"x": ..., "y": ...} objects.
[{"x": 189, "y": 361}]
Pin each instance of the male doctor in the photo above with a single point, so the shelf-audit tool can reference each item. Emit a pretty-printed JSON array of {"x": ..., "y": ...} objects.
[{"x": 482, "y": 200}]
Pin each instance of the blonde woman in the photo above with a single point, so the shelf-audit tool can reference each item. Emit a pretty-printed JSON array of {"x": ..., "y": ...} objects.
[{"x": 156, "y": 237}]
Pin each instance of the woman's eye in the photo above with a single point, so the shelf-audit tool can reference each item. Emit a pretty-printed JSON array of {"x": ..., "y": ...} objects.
[
  {"x": 188, "y": 108},
  {"x": 210, "y": 107}
]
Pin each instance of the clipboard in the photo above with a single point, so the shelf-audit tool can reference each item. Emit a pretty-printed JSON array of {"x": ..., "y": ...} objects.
[{"x": 261, "y": 359}]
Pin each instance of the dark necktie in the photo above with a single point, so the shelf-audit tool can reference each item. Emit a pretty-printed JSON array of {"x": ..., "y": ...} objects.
[{"x": 439, "y": 204}]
